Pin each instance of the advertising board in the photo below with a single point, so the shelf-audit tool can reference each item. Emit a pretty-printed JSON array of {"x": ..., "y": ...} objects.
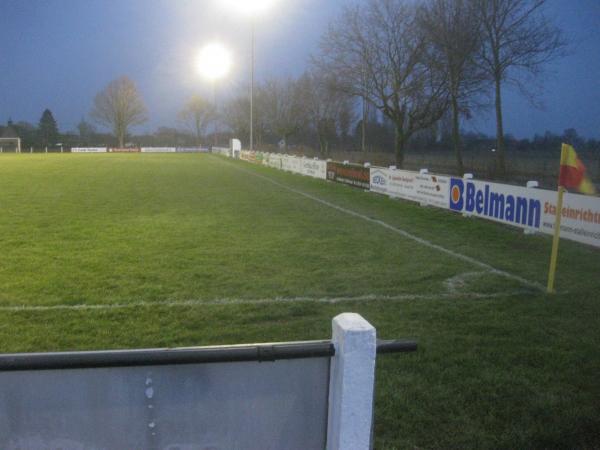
[
  {"x": 158, "y": 150},
  {"x": 422, "y": 188},
  {"x": 124, "y": 150},
  {"x": 273, "y": 160},
  {"x": 88, "y": 150},
  {"x": 314, "y": 168},
  {"x": 292, "y": 164},
  {"x": 247, "y": 155},
  {"x": 528, "y": 208},
  {"x": 191, "y": 150},
  {"x": 224, "y": 151},
  {"x": 351, "y": 174}
]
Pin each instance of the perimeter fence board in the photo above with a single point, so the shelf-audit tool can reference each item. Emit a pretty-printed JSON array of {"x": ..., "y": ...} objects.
[{"x": 239, "y": 405}]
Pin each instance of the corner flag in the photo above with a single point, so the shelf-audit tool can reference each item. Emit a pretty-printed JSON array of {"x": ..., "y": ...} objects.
[
  {"x": 572, "y": 172},
  {"x": 572, "y": 176}
]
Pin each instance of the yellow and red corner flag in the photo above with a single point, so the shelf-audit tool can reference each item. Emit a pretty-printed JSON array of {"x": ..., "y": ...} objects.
[
  {"x": 572, "y": 172},
  {"x": 572, "y": 176}
]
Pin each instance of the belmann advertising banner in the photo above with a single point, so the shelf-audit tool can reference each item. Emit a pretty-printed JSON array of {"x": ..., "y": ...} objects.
[
  {"x": 528, "y": 208},
  {"x": 422, "y": 188},
  {"x": 351, "y": 174}
]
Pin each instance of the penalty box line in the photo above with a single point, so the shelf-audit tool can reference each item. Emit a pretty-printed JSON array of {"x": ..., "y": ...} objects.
[
  {"x": 399, "y": 231},
  {"x": 266, "y": 301}
]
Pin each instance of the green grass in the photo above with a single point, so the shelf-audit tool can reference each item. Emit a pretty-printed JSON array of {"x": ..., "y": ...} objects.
[{"x": 512, "y": 371}]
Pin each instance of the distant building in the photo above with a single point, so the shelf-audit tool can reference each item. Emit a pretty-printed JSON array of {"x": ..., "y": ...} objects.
[{"x": 9, "y": 131}]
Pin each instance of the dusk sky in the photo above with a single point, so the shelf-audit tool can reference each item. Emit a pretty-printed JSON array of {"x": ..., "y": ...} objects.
[{"x": 58, "y": 54}]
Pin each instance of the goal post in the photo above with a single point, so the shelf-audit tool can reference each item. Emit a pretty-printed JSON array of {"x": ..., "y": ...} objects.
[{"x": 10, "y": 144}]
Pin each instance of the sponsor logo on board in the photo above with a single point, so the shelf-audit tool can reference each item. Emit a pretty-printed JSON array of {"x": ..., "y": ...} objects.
[
  {"x": 379, "y": 178},
  {"x": 481, "y": 199}
]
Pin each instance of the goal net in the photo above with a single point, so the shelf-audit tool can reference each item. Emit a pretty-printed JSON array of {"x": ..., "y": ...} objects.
[{"x": 10, "y": 145}]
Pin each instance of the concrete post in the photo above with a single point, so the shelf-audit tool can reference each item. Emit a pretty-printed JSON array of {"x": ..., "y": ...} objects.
[{"x": 351, "y": 384}]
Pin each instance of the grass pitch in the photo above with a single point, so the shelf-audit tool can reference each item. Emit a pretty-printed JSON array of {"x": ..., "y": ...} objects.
[{"x": 126, "y": 251}]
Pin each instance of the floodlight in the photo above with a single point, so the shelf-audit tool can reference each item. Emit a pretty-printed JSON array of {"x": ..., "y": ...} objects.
[
  {"x": 214, "y": 61},
  {"x": 252, "y": 9}
]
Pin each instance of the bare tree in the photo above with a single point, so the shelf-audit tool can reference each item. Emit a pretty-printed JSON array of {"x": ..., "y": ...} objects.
[
  {"x": 235, "y": 115},
  {"x": 198, "y": 113},
  {"x": 518, "y": 38},
  {"x": 119, "y": 106},
  {"x": 378, "y": 52},
  {"x": 327, "y": 108},
  {"x": 453, "y": 30},
  {"x": 86, "y": 132},
  {"x": 281, "y": 107}
]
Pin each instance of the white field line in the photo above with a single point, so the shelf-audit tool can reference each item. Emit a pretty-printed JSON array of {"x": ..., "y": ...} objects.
[
  {"x": 401, "y": 232},
  {"x": 455, "y": 283},
  {"x": 266, "y": 301}
]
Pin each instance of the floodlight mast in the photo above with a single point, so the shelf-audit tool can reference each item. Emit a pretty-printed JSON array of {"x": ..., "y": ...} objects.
[
  {"x": 252, "y": 89},
  {"x": 251, "y": 8}
]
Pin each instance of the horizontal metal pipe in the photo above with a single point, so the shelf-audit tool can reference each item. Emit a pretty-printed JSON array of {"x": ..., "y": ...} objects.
[
  {"x": 395, "y": 346},
  {"x": 198, "y": 355},
  {"x": 161, "y": 357}
]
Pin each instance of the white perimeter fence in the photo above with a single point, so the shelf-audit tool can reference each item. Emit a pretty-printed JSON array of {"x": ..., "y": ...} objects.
[
  {"x": 525, "y": 207},
  {"x": 141, "y": 150}
]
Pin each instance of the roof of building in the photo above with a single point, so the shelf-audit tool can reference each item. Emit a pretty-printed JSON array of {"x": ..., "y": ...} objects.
[{"x": 9, "y": 132}]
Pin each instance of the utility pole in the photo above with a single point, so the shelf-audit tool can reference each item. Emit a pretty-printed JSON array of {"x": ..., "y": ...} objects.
[{"x": 252, "y": 87}]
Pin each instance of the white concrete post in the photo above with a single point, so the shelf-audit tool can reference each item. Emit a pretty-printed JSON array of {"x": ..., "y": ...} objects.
[
  {"x": 467, "y": 176},
  {"x": 346, "y": 162},
  {"x": 351, "y": 384},
  {"x": 531, "y": 185}
]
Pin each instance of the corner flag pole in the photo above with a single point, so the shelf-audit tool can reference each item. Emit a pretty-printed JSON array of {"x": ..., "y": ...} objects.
[{"x": 556, "y": 240}]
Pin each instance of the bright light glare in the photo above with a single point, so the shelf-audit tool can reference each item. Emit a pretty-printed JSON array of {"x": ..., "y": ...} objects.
[
  {"x": 214, "y": 61},
  {"x": 249, "y": 7}
]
